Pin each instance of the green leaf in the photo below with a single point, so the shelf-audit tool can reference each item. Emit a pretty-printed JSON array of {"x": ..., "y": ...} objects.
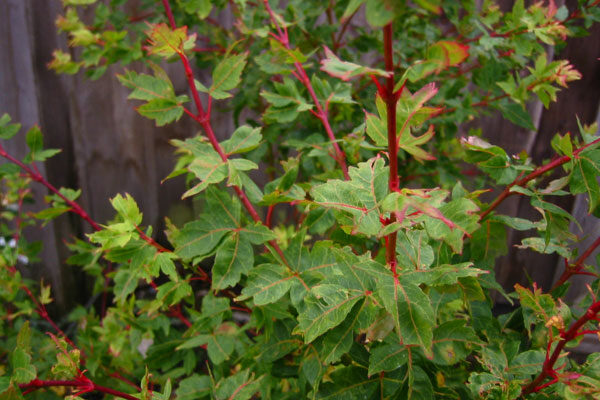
[
  {"x": 410, "y": 144},
  {"x": 267, "y": 283},
  {"x": 127, "y": 208},
  {"x": 35, "y": 142},
  {"x": 311, "y": 366},
  {"x": 194, "y": 387},
  {"x": 453, "y": 342},
  {"x": 242, "y": 140},
  {"x": 414, "y": 249},
  {"x": 387, "y": 356},
  {"x": 279, "y": 342},
  {"x": 418, "y": 385},
  {"x": 410, "y": 112},
  {"x": 11, "y": 391},
  {"x": 53, "y": 212},
  {"x": 215, "y": 309},
  {"x": 357, "y": 198},
  {"x": 8, "y": 130},
  {"x": 326, "y": 306},
  {"x": 126, "y": 281},
  {"x": 335, "y": 343},
  {"x": 234, "y": 258},
  {"x": 164, "y": 261},
  {"x": 23, "y": 371},
  {"x": 411, "y": 310},
  {"x": 433, "y": 6},
  {"x": 240, "y": 386},
  {"x": 462, "y": 213},
  {"x": 172, "y": 293},
  {"x": 584, "y": 179},
  {"x": 446, "y": 53},
  {"x": 167, "y": 42},
  {"x": 492, "y": 160},
  {"x": 161, "y": 103},
  {"x": 536, "y": 306},
  {"x": 147, "y": 87},
  {"x": 527, "y": 363},
  {"x": 200, "y": 8},
  {"x": 377, "y": 129},
  {"x": 349, "y": 383},
  {"x": 227, "y": 75},
  {"x": 257, "y": 233},
  {"x": 541, "y": 246},
  {"x": 208, "y": 167},
  {"x": 351, "y": 8},
  {"x": 382, "y": 12},
  {"x": 163, "y": 111},
  {"x": 200, "y": 237},
  {"x": 345, "y": 70},
  {"x": 517, "y": 114}
]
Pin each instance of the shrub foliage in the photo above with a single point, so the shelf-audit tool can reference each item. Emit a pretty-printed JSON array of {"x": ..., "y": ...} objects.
[{"x": 363, "y": 268}]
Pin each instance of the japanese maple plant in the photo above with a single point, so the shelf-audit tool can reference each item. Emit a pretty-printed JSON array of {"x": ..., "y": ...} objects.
[{"x": 339, "y": 252}]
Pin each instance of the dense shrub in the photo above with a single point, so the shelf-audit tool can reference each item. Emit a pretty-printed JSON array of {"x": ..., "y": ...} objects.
[{"x": 364, "y": 267}]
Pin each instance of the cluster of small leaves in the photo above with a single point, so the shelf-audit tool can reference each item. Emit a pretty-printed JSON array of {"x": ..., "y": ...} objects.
[{"x": 306, "y": 305}]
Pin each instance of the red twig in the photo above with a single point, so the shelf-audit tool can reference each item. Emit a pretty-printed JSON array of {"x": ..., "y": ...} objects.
[
  {"x": 268, "y": 220},
  {"x": 565, "y": 337},
  {"x": 203, "y": 118},
  {"x": 338, "y": 42},
  {"x": 538, "y": 171},
  {"x": 175, "y": 311},
  {"x": 283, "y": 38},
  {"x": 575, "y": 268},
  {"x": 391, "y": 99},
  {"x": 120, "y": 377},
  {"x": 82, "y": 383},
  {"x": 42, "y": 312},
  {"x": 35, "y": 175}
]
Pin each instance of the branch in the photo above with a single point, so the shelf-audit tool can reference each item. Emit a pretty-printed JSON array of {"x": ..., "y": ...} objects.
[
  {"x": 390, "y": 99},
  {"x": 74, "y": 207},
  {"x": 575, "y": 269},
  {"x": 203, "y": 118},
  {"x": 536, "y": 173},
  {"x": 565, "y": 337},
  {"x": 300, "y": 73},
  {"x": 84, "y": 384}
]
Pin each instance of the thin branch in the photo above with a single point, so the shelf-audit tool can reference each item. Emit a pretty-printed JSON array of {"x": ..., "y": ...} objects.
[
  {"x": 575, "y": 268},
  {"x": 536, "y": 173},
  {"x": 35, "y": 175},
  {"x": 203, "y": 118},
  {"x": 84, "y": 384},
  {"x": 565, "y": 337},
  {"x": 283, "y": 38},
  {"x": 390, "y": 101},
  {"x": 338, "y": 42}
]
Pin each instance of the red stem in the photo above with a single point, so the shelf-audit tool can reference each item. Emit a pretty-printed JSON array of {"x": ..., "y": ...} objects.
[
  {"x": 338, "y": 42},
  {"x": 390, "y": 102},
  {"x": 575, "y": 269},
  {"x": 321, "y": 114},
  {"x": 42, "y": 312},
  {"x": 84, "y": 384},
  {"x": 538, "y": 171},
  {"x": 36, "y": 176},
  {"x": 268, "y": 220},
  {"x": 565, "y": 337},
  {"x": 203, "y": 118},
  {"x": 74, "y": 207}
]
